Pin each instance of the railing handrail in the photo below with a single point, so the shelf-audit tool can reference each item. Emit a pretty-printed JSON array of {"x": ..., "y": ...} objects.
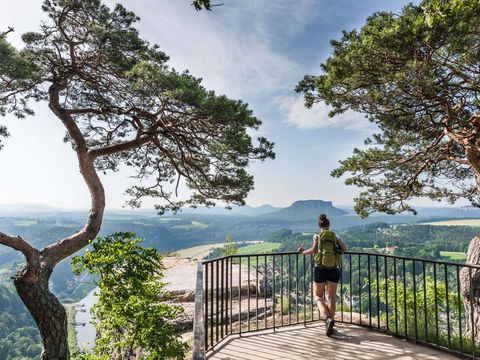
[{"x": 346, "y": 253}]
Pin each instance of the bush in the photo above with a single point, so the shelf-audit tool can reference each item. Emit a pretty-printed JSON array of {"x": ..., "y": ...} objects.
[{"x": 131, "y": 314}]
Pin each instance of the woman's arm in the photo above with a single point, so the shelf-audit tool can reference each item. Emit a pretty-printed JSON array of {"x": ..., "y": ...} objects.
[
  {"x": 312, "y": 250},
  {"x": 341, "y": 244}
]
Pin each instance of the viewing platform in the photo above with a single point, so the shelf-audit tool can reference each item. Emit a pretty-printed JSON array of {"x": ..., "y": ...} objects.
[
  {"x": 348, "y": 342},
  {"x": 262, "y": 307}
]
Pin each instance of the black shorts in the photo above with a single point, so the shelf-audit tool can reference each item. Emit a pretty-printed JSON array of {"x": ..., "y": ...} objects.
[{"x": 322, "y": 275}]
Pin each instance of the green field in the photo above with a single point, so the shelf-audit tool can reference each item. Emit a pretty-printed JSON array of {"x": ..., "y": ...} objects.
[
  {"x": 453, "y": 255},
  {"x": 262, "y": 247},
  {"x": 456, "y": 222},
  {"x": 259, "y": 248}
]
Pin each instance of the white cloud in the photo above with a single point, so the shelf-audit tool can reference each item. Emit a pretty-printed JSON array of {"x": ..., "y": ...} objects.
[
  {"x": 239, "y": 49},
  {"x": 316, "y": 117}
]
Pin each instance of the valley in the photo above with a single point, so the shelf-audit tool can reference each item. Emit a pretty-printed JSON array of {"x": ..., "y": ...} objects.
[{"x": 435, "y": 233}]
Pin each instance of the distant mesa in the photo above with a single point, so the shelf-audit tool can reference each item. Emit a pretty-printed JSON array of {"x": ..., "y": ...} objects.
[
  {"x": 299, "y": 210},
  {"x": 307, "y": 209}
]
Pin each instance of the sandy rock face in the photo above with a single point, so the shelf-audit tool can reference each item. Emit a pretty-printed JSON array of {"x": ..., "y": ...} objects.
[{"x": 180, "y": 276}]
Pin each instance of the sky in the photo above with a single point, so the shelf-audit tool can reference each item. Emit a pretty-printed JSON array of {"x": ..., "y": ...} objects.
[{"x": 254, "y": 50}]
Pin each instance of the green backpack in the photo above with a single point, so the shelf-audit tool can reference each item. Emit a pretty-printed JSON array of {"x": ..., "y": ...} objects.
[{"x": 327, "y": 257}]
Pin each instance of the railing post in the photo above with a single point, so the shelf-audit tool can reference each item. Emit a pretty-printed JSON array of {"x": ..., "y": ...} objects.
[
  {"x": 199, "y": 333},
  {"x": 351, "y": 295},
  {"x": 414, "y": 283},
  {"x": 273, "y": 291},
  {"x": 425, "y": 301},
  {"x": 256, "y": 292},
  {"x": 205, "y": 300},
  {"x": 248, "y": 293},
  {"x": 459, "y": 309},
  {"x": 378, "y": 291},
  {"x": 369, "y": 292},
  {"x": 304, "y": 293},
  {"x": 395, "y": 293}
]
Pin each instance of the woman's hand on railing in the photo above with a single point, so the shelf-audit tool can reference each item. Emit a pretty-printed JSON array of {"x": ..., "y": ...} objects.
[{"x": 301, "y": 250}]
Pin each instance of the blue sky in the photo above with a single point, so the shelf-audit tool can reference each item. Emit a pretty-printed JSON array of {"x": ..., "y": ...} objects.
[{"x": 255, "y": 50}]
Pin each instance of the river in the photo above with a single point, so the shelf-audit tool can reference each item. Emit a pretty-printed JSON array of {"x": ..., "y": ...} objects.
[{"x": 84, "y": 329}]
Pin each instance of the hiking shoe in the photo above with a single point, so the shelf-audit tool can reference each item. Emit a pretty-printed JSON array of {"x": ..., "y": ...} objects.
[{"x": 329, "y": 326}]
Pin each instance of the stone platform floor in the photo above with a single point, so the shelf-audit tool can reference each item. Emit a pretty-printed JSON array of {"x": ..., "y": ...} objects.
[{"x": 348, "y": 342}]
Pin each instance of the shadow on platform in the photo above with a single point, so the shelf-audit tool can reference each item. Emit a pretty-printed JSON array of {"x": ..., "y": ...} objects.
[{"x": 348, "y": 342}]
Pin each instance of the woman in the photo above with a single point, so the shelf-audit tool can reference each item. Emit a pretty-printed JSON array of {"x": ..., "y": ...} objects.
[{"x": 326, "y": 273}]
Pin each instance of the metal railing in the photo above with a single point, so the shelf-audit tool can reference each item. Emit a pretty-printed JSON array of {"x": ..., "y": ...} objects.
[
  {"x": 416, "y": 299},
  {"x": 198, "y": 321}
]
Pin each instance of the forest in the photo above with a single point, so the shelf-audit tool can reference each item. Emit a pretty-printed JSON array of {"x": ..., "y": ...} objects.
[
  {"x": 19, "y": 337},
  {"x": 421, "y": 241}
]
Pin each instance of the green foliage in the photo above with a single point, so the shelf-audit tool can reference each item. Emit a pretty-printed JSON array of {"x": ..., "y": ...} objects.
[
  {"x": 411, "y": 305},
  {"x": 19, "y": 74},
  {"x": 202, "y": 4},
  {"x": 279, "y": 235},
  {"x": 415, "y": 76},
  {"x": 131, "y": 313},
  {"x": 16, "y": 72},
  {"x": 289, "y": 240},
  {"x": 287, "y": 307},
  {"x": 229, "y": 248},
  {"x": 19, "y": 337},
  {"x": 438, "y": 11}
]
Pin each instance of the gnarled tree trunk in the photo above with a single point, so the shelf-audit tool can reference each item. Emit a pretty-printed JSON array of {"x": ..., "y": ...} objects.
[
  {"x": 47, "y": 311},
  {"x": 470, "y": 287},
  {"x": 32, "y": 280}
]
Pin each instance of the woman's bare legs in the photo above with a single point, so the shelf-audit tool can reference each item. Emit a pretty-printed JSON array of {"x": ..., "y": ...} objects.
[
  {"x": 327, "y": 309},
  {"x": 319, "y": 290},
  {"x": 332, "y": 297}
]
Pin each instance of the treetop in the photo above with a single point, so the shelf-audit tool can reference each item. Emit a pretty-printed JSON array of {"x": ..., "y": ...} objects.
[
  {"x": 117, "y": 93},
  {"x": 415, "y": 75}
]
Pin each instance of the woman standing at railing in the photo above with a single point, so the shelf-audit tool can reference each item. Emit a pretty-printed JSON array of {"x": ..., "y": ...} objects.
[{"x": 326, "y": 273}]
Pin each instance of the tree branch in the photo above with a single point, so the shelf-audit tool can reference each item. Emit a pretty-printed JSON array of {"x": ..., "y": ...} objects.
[
  {"x": 31, "y": 254},
  {"x": 454, "y": 137},
  {"x": 116, "y": 148},
  {"x": 84, "y": 111},
  {"x": 10, "y": 29},
  {"x": 19, "y": 244},
  {"x": 425, "y": 151},
  {"x": 68, "y": 246}
]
